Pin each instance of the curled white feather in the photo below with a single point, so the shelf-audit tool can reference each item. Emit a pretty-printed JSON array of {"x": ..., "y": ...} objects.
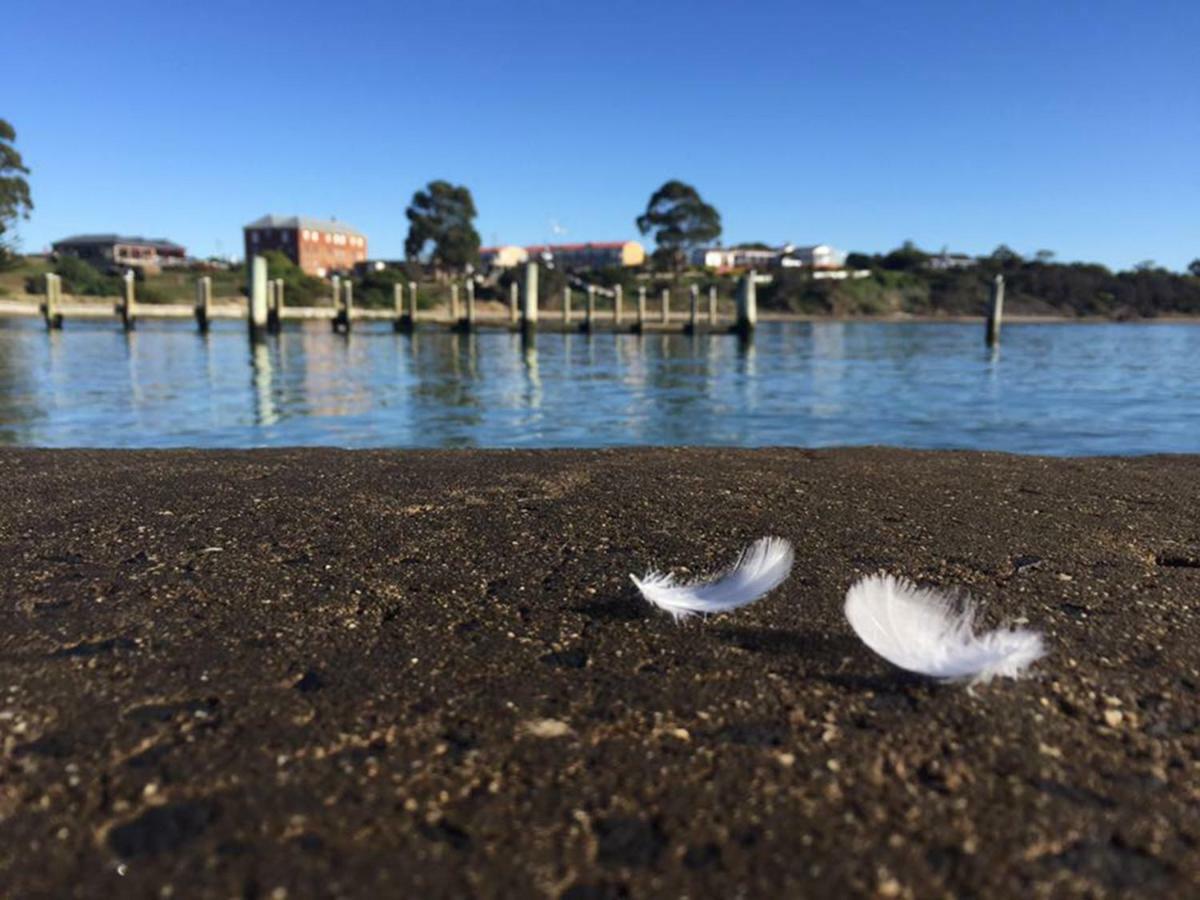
[
  {"x": 761, "y": 568},
  {"x": 928, "y": 632}
]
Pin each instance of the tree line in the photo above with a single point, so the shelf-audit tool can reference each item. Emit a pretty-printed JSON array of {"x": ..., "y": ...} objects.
[{"x": 904, "y": 280}]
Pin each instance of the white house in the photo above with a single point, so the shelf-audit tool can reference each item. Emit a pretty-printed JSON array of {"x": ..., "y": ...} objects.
[
  {"x": 817, "y": 256},
  {"x": 945, "y": 261},
  {"x": 712, "y": 258},
  {"x": 789, "y": 256}
]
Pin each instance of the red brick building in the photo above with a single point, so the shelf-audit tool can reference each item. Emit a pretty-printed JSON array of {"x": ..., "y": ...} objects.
[{"x": 317, "y": 246}]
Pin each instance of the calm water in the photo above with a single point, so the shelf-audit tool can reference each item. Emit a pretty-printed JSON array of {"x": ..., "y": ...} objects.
[{"x": 1054, "y": 389}]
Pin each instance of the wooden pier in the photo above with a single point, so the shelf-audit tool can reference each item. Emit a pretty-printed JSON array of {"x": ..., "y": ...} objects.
[{"x": 266, "y": 310}]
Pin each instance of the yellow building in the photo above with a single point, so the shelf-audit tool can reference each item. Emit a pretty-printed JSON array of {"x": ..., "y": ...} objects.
[
  {"x": 602, "y": 255},
  {"x": 503, "y": 257}
]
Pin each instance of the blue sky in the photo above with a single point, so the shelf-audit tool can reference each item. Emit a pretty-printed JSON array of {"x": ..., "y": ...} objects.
[{"x": 1072, "y": 126}]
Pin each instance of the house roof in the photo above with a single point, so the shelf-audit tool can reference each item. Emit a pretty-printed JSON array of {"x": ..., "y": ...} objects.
[
  {"x": 78, "y": 240},
  {"x": 273, "y": 221}
]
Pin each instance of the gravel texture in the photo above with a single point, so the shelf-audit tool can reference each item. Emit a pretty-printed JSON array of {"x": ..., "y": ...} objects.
[{"x": 427, "y": 674}]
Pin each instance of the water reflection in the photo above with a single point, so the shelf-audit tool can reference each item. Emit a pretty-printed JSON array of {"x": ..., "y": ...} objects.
[
  {"x": 1052, "y": 389},
  {"x": 265, "y": 412}
]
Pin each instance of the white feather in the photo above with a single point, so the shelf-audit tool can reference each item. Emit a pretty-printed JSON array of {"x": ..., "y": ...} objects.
[
  {"x": 762, "y": 567},
  {"x": 931, "y": 633}
]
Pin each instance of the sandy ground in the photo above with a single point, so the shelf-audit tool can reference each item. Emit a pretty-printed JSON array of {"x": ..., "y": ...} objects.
[{"x": 323, "y": 673}]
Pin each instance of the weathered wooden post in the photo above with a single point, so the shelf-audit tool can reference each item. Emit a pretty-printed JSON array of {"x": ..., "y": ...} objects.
[
  {"x": 345, "y": 307},
  {"x": 274, "y": 304},
  {"x": 469, "y": 322},
  {"x": 401, "y": 320},
  {"x": 514, "y": 302},
  {"x": 128, "y": 306},
  {"x": 712, "y": 304},
  {"x": 694, "y": 308},
  {"x": 203, "y": 301},
  {"x": 666, "y": 306},
  {"x": 454, "y": 302},
  {"x": 412, "y": 302},
  {"x": 747, "y": 305},
  {"x": 258, "y": 296},
  {"x": 336, "y": 322},
  {"x": 996, "y": 311},
  {"x": 567, "y": 305},
  {"x": 590, "y": 318},
  {"x": 529, "y": 301},
  {"x": 51, "y": 311},
  {"x": 347, "y": 304},
  {"x": 641, "y": 311},
  {"x": 618, "y": 302}
]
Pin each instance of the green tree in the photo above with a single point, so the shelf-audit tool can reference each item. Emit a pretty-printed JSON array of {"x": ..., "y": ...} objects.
[
  {"x": 15, "y": 201},
  {"x": 1194, "y": 267},
  {"x": 1005, "y": 255},
  {"x": 299, "y": 288},
  {"x": 680, "y": 221},
  {"x": 1045, "y": 257},
  {"x": 908, "y": 257},
  {"x": 78, "y": 277},
  {"x": 441, "y": 226}
]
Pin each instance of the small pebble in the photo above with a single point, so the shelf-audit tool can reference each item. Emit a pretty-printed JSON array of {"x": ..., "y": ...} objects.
[{"x": 547, "y": 728}]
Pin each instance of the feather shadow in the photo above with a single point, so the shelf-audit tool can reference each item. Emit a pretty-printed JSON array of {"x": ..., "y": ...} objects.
[{"x": 806, "y": 645}]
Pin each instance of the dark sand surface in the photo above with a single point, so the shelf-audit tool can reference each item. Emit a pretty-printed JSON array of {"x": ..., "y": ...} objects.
[{"x": 388, "y": 674}]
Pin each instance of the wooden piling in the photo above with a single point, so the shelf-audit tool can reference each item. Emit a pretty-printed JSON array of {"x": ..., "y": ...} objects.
[
  {"x": 694, "y": 308},
  {"x": 995, "y": 311},
  {"x": 274, "y": 305},
  {"x": 258, "y": 296},
  {"x": 203, "y": 302},
  {"x": 529, "y": 302},
  {"x": 566, "y": 312},
  {"x": 454, "y": 302},
  {"x": 641, "y": 309},
  {"x": 50, "y": 309},
  {"x": 347, "y": 304},
  {"x": 400, "y": 319},
  {"x": 618, "y": 299},
  {"x": 712, "y": 304},
  {"x": 469, "y": 322},
  {"x": 412, "y": 302},
  {"x": 666, "y": 306},
  {"x": 514, "y": 310},
  {"x": 590, "y": 319},
  {"x": 747, "y": 306},
  {"x": 128, "y": 305}
]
